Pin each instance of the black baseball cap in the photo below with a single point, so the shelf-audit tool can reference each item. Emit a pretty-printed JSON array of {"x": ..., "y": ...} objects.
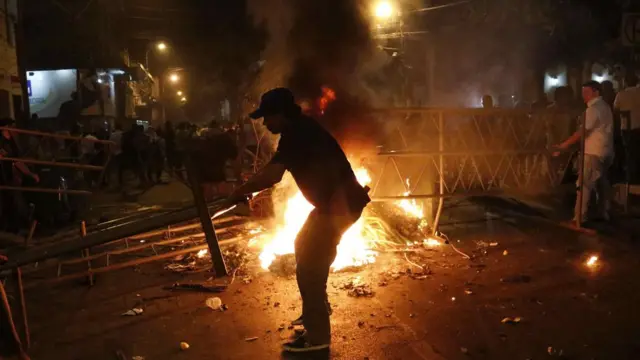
[{"x": 275, "y": 101}]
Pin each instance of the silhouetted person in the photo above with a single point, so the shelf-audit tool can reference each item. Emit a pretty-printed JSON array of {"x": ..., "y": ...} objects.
[
  {"x": 325, "y": 178},
  {"x": 69, "y": 113},
  {"x": 487, "y": 102}
]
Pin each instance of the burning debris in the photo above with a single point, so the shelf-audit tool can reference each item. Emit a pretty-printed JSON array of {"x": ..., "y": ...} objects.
[
  {"x": 357, "y": 288},
  {"x": 284, "y": 265}
]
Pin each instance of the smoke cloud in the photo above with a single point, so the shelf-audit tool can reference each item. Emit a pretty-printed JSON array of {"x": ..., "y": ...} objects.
[{"x": 313, "y": 44}]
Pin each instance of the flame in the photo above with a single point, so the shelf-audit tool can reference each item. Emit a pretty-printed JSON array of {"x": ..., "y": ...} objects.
[
  {"x": 410, "y": 206},
  {"x": 592, "y": 261},
  {"x": 354, "y": 248},
  {"x": 357, "y": 243},
  {"x": 328, "y": 96},
  {"x": 202, "y": 253},
  {"x": 431, "y": 242}
]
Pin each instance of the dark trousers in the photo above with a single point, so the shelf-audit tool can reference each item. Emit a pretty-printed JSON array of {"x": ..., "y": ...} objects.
[{"x": 315, "y": 250}]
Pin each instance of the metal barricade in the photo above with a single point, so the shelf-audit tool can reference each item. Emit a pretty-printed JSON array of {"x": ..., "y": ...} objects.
[
  {"x": 55, "y": 146},
  {"x": 442, "y": 153}
]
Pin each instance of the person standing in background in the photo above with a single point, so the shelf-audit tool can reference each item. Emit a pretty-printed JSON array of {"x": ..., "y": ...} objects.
[
  {"x": 627, "y": 103},
  {"x": 598, "y": 151},
  {"x": 115, "y": 166}
]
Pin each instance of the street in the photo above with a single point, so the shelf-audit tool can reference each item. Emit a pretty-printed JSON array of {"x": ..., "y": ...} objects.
[{"x": 453, "y": 308}]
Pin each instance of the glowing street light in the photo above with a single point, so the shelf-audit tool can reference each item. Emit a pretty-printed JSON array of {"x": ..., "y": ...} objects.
[
  {"x": 174, "y": 78},
  {"x": 383, "y": 10},
  {"x": 184, "y": 99},
  {"x": 159, "y": 46},
  {"x": 179, "y": 93}
]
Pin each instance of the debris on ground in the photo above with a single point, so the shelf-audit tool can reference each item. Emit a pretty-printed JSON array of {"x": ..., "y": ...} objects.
[
  {"x": 196, "y": 287},
  {"x": 412, "y": 315},
  {"x": 554, "y": 352},
  {"x": 250, "y": 339},
  {"x": 133, "y": 312},
  {"x": 184, "y": 263},
  {"x": 505, "y": 253},
  {"x": 360, "y": 324},
  {"x": 184, "y": 346},
  {"x": 236, "y": 257},
  {"x": 356, "y": 288},
  {"x": 516, "y": 279},
  {"x": 511, "y": 320},
  {"x": 214, "y": 303},
  {"x": 468, "y": 292},
  {"x": 281, "y": 327},
  {"x": 284, "y": 265}
]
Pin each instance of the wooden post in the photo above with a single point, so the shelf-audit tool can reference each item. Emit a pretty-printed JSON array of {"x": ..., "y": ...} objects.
[
  {"x": 85, "y": 252},
  {"x": 219, "y": 267}
]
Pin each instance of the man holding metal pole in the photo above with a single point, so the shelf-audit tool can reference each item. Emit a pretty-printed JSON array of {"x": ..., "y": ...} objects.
[
  {"x": 598, "y": 152},
  {"x": 323, "y": 174}
]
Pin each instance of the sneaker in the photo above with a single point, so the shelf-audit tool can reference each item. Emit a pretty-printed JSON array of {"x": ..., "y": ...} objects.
[{"x": 301, "y": 344}]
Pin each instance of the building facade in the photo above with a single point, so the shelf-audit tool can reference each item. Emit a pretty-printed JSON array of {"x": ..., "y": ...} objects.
[{"x": 10, "y": 90}]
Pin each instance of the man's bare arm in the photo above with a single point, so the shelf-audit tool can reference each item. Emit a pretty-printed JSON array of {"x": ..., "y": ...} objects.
[{"x": 264, "y": 179}]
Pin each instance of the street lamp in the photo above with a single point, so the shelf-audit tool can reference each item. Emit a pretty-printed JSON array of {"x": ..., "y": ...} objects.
[
  {"x": 160, "y": 47},
  {"x": 184, "y": 99},
  {"x": 174, "y": 78},
  {"x": 383, "y": 10},
  {"x": 179, "y": 93}
]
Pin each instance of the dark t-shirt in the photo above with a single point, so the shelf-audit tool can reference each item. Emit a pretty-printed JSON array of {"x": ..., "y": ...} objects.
[
  {"x": 8, "y": 149},
  {"x": 318, "y": 165}
]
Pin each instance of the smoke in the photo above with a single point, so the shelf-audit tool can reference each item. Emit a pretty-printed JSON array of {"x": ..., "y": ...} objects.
[{"x": 313, "y": 44}]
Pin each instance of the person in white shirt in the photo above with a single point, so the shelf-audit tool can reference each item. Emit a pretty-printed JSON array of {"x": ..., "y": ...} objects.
[
  {"x": 598, "y": 151},
  {"x": 628, "y": 104},
  {"x": 628, "y": 100}
]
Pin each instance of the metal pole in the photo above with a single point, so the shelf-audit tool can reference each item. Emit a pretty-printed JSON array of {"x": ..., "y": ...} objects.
[
  {"x": 219, "y": 267},
  {"x": 162, "y": 98},
  {"x": 85, "y": 252},
  {"x": 580, "y": 193},
  {"x": 436, "y": 222},
  {"x": 22, "y": 307}
]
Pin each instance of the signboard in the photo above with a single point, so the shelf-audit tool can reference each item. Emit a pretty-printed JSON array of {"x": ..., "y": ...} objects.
[{"x": 631, "y": 29}]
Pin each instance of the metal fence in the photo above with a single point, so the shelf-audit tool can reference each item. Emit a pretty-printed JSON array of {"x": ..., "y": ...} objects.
[{"x": 441, "y": 153}]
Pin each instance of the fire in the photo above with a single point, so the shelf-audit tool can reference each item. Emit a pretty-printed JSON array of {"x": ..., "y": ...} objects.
[
  {"x": 328, "y": 96},
  {"x": 354, "y": 249},
  {"x": 358, "y": 242},
  {"x": 202, "y": 253},
  {"x": 410, "y": 206},
  {"x": 592, "y": 261}
]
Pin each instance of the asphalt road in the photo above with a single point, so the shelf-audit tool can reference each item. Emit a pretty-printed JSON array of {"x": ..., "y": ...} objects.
[{"x": 535, "y": 273}]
